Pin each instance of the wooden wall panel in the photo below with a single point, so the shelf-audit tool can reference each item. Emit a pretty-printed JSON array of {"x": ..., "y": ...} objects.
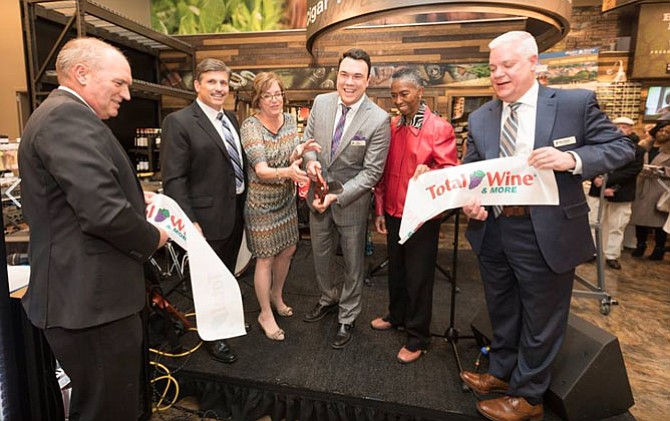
[{"x": 439, "y": 43}]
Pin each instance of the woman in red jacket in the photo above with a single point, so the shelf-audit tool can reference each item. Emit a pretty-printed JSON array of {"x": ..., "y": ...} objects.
[{"x": 420, "y": 141}]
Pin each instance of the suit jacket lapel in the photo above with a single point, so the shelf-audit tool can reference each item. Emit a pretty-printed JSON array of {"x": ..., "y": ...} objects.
[
  {"x": 204, "y": 122},
  {"x": 546, "y": 115},
  {"x": 354, "y": 125},
  {"x": 492, "y": 139},
  {"x": 329, "y": 123},
  {"x": 112, "y": 138}
]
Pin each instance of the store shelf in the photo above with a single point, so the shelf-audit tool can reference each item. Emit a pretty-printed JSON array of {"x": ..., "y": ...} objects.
[
  {"x": 87, "y": 18},
  {"x": 620, "y": 99},
  {"x": 139, "y": 88},
  {"x": 108, "y": 23}
]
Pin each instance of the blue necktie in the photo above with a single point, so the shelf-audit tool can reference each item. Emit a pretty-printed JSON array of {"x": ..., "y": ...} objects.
[
  {"x": 508, "y": 140},
  {"x": 232, "y": 152},
  {"x": 339, "y": 129}
]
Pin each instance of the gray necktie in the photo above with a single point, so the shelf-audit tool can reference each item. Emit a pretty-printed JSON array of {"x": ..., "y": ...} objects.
[
  {"x": 508, "y": 140},
  {"x": 232, "y": 151}
]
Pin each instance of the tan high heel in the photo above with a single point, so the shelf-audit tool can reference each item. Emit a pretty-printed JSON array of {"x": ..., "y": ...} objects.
[
  {"x": 283, "y": 312},
  {"x": 277, "y": 335}
]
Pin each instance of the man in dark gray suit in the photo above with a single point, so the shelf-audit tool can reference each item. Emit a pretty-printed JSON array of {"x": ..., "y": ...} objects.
[
  {"x": 202, "y": 166},
  {"x": 527, "y": 254},
  {"x": 354, "y": 135},
  {"x": 88, "y": 233}
]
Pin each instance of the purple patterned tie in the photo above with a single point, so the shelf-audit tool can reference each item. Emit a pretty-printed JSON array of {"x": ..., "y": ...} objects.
[{"x": 338, "y": 131}]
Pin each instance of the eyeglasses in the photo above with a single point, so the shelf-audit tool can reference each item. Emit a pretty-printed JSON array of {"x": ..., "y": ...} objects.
[{"x": 277, "y": 96}]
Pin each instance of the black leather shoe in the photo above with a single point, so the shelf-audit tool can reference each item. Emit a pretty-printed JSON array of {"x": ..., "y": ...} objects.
[
  {"x": 657, "y": 254},
  {"x": 319, "y": 312},
  {"x": 639, "y": 250},
  {"x": 343, "y": 336},
  {"x": 220, "y": 351},
  {"x": 613, "y": 263}
]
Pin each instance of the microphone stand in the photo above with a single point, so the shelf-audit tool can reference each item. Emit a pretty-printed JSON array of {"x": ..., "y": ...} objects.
[{"x": 452, "y": 335}]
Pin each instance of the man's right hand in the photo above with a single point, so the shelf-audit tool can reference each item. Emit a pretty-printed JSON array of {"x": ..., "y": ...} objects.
[
  {"x": 163, "y": 238},
  {"x": 473, "y": 209},
  {"x": 598, "y": 181}
]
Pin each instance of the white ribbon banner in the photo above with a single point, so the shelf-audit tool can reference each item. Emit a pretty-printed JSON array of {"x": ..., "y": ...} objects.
[
  {"x": 500, "y": 181},
  {"x": 216, "y": 294}
]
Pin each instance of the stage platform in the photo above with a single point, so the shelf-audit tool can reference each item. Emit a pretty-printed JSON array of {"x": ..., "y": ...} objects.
[{"x": 303, "y": 378}]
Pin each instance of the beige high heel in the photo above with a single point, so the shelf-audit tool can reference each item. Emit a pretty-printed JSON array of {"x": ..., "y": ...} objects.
[
  {"x": 277, "y": 335},
  {"x": 283, "y": 312}
]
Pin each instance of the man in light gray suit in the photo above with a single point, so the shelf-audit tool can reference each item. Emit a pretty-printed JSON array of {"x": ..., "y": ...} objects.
[{"x": 354, "y": 135}]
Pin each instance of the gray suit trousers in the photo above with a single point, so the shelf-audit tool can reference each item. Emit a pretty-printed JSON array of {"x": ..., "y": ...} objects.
[{"x": 324, "y": 233}]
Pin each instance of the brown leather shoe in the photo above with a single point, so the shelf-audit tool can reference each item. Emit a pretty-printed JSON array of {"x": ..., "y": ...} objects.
[
  {"x": 405, "y": 356},
  {"x": 483, "y": 383},
  {"x": 510, "y": 408}
]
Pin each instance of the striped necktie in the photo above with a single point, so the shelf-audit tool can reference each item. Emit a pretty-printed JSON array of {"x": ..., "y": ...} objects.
[
  {"x": 234, "y": 155},
  {"x": 508, "y": 140},
  {"x": 339, "y": 129}
]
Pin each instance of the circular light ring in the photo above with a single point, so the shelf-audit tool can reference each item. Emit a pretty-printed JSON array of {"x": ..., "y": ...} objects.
[{"x": 548, "y": 20}]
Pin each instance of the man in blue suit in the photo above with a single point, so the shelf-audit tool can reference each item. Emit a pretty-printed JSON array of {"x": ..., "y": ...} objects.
[{"x": 527, "y": 254}]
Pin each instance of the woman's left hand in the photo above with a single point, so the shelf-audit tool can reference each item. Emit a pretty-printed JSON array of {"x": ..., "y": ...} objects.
[
  {"x": 309, "y": 146},
  {"x": 296, "y": 173}
]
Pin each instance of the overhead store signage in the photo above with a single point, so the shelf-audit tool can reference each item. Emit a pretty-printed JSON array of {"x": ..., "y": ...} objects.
[
  {"x": 613, "y": 4},
  {"x": 549, "y": 19},
  {"x": 652, "y": 48}
]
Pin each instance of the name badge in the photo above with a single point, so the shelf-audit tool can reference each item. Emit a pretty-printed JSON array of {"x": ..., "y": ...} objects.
[
  {"x": 564, "y": 141},
  {"x": 358, "y": 143}
]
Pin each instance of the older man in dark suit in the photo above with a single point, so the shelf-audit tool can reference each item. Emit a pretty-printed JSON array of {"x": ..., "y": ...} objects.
[
  {"x": 202, "y": 165},
  {"x": 354, "y": 135},
  {"x": 527, "y": 254},
  {"x": 88, "y": 232}
]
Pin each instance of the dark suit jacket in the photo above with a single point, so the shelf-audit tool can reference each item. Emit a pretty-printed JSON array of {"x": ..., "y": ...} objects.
[
  {"x": 88, "y": 230},
  {"x": 623, "y": 180},
  {"x": 197, "y": 171},
  {"x": 562, "y": 231}
]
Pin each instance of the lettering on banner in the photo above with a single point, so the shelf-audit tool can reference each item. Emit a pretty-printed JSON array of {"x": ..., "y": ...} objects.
[
  {"x": 498, "y": 182},
  {"x": 160, "y": 215}
]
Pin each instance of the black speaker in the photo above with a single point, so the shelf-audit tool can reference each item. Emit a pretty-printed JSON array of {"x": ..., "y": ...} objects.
[{"x": 588, "y": 378}]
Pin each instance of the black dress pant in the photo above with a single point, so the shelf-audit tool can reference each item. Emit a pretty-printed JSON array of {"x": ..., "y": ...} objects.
[
  {"x": 642, "y": 233},
  {"x": 411, "y": 275},
  {"x": 104, "y": 364}
]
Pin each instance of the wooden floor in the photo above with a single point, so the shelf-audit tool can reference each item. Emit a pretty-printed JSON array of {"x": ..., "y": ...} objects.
[{"x": 641, "y": 321}]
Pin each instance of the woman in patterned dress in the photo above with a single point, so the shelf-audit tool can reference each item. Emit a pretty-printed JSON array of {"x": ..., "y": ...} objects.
[{"x": 274, "y": 153}]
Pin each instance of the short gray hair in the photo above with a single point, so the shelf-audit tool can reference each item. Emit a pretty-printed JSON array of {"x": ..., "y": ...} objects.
[
  {"x": 85, "y": 50},
  {"x": 408, "y": 75},
  {"x": 523, "y": 42}
]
